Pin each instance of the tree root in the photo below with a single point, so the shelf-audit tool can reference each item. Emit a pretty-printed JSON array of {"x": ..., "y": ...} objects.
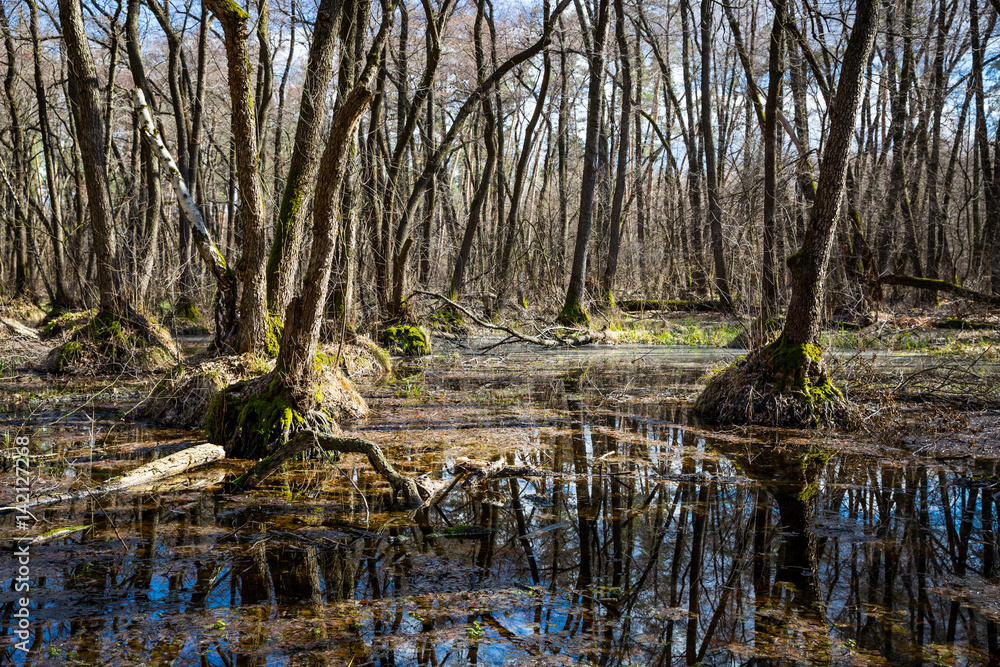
[
  {"x": 783, "y": 384},
  {"x": 402, "y": 485}
]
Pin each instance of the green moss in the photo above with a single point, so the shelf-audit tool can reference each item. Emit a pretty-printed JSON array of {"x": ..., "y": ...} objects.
[
  {"x": 187, "y": 312},
  {"x": 448, "y": 319},
  {"x": 790, "y": 363},
  {"x": 68, "y": 353},
  {"x": 573, "y": 315},
  {"x": 60, "y": 321},
  {"x": 406, "y": 340},
  {"x": 247, "y": 427},
  {"x": 274, "y": 330}
]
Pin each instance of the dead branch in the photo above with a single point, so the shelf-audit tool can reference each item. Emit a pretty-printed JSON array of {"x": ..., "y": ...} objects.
[
  {"x": 583, "y": 338},
  {"x": 303, "y": 440}
]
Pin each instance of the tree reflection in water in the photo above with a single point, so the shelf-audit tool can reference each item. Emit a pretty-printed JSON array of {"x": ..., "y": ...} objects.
[{"x": 655, "y": 542}]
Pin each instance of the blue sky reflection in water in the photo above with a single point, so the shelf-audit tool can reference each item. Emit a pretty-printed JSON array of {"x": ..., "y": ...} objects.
[{"x": 797, "y": 556}]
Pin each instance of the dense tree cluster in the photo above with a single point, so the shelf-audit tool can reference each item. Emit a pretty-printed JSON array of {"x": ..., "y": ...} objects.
[{"x": 340, "y": 155}]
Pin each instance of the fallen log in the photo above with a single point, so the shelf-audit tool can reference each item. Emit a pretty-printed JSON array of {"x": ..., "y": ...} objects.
[
  {"x": 940, "y": 286},
  {"x": 149, "y": 473},
  {"x": 581, "y": 338}
]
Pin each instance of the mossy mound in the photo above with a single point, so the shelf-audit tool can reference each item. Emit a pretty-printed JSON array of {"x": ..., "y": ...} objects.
[
  {"x": 59, "y": 323},
  {"x": 109, "y": 343},
  {"x": 406, "y": 340},
  {"x": 783, "y": 384},
  {"x": 181, "y": 398},
  {"x": 449, "y": 320},
  {"x": 185, "y": 320},
  {"x": 253, "y": 418},
  {"x": 361, "y": 357}
]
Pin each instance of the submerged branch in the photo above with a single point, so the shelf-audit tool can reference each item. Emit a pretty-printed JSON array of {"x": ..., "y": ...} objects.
[{"x": 303, "y": 440}]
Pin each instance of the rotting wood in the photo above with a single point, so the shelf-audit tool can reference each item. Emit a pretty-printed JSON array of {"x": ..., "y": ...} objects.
[
  {"x": 584, "y": 338},
  {"x": 149, "y": 473}
]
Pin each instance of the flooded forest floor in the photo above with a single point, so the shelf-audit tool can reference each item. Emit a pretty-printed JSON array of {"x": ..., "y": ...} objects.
[{"x": 651, "y": 539}]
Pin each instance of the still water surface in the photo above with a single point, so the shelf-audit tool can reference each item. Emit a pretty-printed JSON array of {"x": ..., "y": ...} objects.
[{"x": 654, "y": 539}]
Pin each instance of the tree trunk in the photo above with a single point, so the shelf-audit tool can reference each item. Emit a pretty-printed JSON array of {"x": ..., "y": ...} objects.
[
  {"x": 253, "y": 305},
  {"x": 282, "y": 264},
  {"x": 479, "y": 201},
  {"x": 624, "y": 125},
  {"x": 63, "y": 297},
  {"x": 573, "y": 312},
  {"x": 86, "y": 105},
  {"x": 775, "y": 75},
  {"x": 304, "y": 315},
  {"x": 808, "y": 265},
  {"x": 711, "y": 175}
]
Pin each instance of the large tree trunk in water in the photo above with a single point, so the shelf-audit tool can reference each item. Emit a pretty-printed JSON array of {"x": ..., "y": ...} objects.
[
  {"x": 253, "y": 305},
  {"x": 573, "y": 313},
  {"x": 786, "y": 382},
  {"x": 86, "y": 105},
  {"x": 286, "y": 399},
  {"x": 808, "y": 265},
  {"x": 283, "y": 261}
]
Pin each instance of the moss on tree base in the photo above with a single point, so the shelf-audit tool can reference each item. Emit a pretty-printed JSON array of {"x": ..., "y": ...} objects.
[
  {"x": 783, "y": 384},
  {"x": 253, "y": 418},
  {"x": 573, "y": 315}
]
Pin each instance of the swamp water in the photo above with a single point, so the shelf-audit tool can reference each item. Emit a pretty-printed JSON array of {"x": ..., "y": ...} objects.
[{"x": 654, "y": 539}]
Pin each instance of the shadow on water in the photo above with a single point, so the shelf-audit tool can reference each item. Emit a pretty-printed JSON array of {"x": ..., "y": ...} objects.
[{"x": 654, "y": 540}]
